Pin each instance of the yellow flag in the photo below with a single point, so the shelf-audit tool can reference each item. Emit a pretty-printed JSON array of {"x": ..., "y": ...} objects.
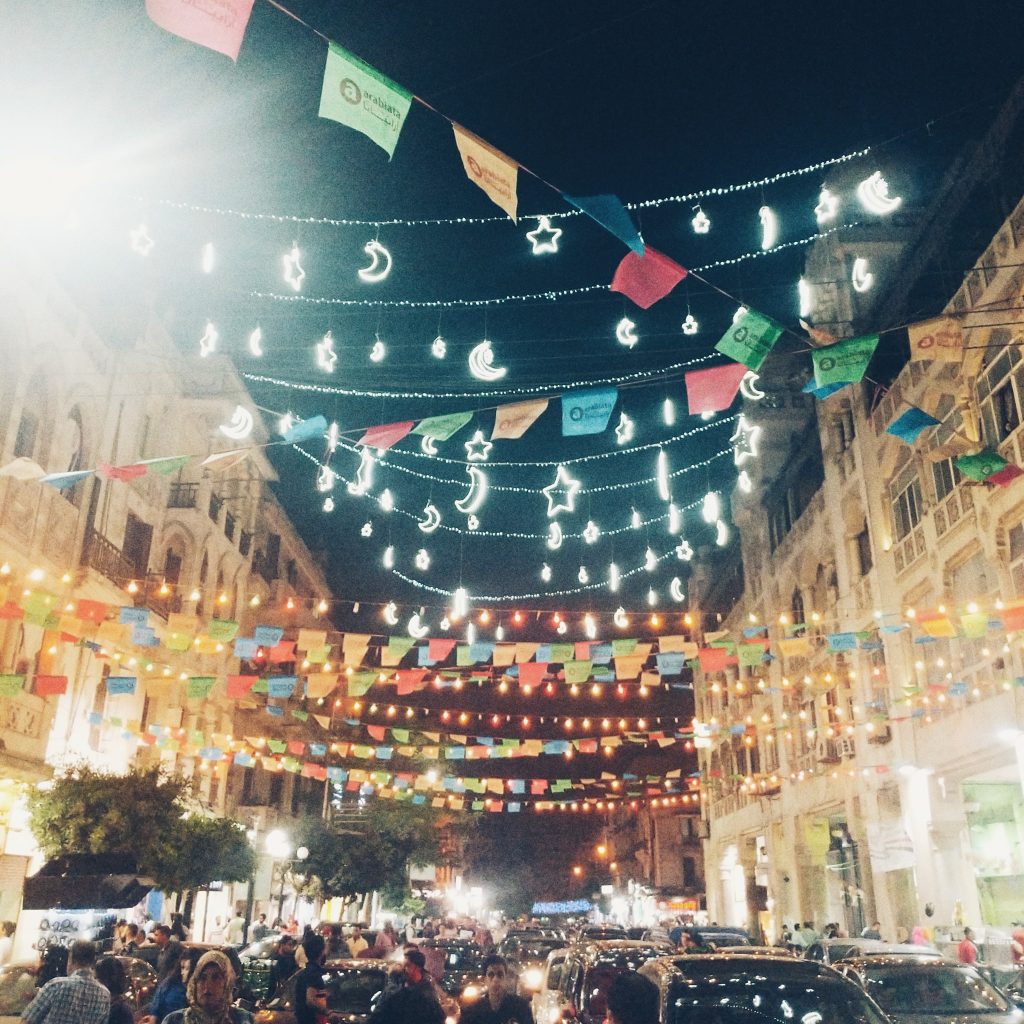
[
  {"x": 490, "y": 169},
  {"x": 939, "y": 338}
]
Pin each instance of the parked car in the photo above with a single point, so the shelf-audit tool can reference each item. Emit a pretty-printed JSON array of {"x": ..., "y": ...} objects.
[
  {"x": 526, "y": 956},
  {"x": 257, "y": 963},
  {"x": 753, "y": 989},
  {"x": 590, "y": 968},
  {"x": 460, "y": 963},
  {"x": 597, "y": 932},
  {"x": 713, "y": 935},
  {"x": 930, "y": 990},
  {"x": 354, "y": 988},
  {"x": 546, "y": 1001},
  {"x": 828, "y": 951}
]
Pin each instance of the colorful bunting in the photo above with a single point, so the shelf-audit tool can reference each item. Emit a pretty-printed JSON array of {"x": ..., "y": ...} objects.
[
  {"x": 981, "y": 466},
  {"x": 441, "y": 428},
  {"x": 713, "y": 389},
  {"x": 749, "y": 339},
  {"x": 587, "y": 412},
  {"x": 846, "y": 362},
  {"x": 938, "y": 339},
  {"x": 609, "y": 212},
  {"x": 219, "y": 26},
  {"x": 646, "y": 278},
  {"x": 489, "y": 169},
  {"x": 909, "y": 424},
  {"x": 512, "y": 421},
  {"x": 385, "y": 436}
]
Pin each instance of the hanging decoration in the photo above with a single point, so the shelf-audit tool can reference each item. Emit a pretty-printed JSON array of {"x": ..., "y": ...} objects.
[
  {"x": 431, "y": 518},
  {"x": 478, "y": 448},
  {"x": 744, "y": 441},
  {"x": 380, "y": 263},
  {"x": 367, "y": 529},
  {"x": 662, "y": 476},
  {"x": 240, "y": 426},
  {"x": 326, "y": 357},
  {"x": 561, "y": 492},
  {"x": 583, "y": 576},
  {"x": 141, "y": 242},
  {"x": 390, "y": 613},
  {"x": 545, "y": 572},
  {"x": 860, "y": 276},
  {"x": 208, "y": 342},
  {"x": 415, "y": 627},
  {"x": 608, "y": 211},
  {"x": 428, "y": 445},
  {"x": 769, "y": 227},
  {"x": 748, "y": 387},
  {"x": 422, "y": 561},
  {"x": 690, "y": 326},
  {"x": 481, "y": 363},
  {"x": 255, "y": 342},
  {"x": 648, "y": 278},
  {"x": 388, "y": 560},
  {"x": 364, "y": 474},
  {"x": 828, "y": 206},
  {"x": 477, "y": 493},
  {"x": 206, "y": 258},
  {"x": 701, "y": 223},
  {"x": 294, "y": 274},
  {"x": 555, "y": 536},
  {"x": 386, "y": 500},
  {"x": 676, "y": 589},
  {"x": 326, "y": 479},
  {"x": 873, "y": 193},
  {"x": 591, "y": 532},
  {"x": 221, "y": 29},
  {"x": 544, "y": 238},
  {"x": 378, "y": 352},
  {"x": 711, "y": 508},
  {"x": 625, "y": 430},
  {"x": 489, "y": 169},
  {"x": 625, "y": 332},
  {"x": 620, "y": 619},
  {"x": 614, "y": 577},
  {"x": 439, "y": 348}
]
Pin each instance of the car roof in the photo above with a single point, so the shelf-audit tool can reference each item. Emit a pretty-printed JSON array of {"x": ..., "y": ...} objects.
[
  {"x": 927, "y": 963},
  {"x": 689, "y": 965}
]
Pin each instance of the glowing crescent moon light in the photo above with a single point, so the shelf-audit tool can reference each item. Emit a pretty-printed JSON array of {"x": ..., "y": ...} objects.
[
  {"x": 428, "y": 445},
  {"x": 377, "y": 270},
  {"x": 676, "y": 589},
  {"x": 562, "y": 628},
  {"x": 325, "y": 479},
  {"x": 432, "y": 520},
  {"x": 481, "y": 363},
  {"x": 828, "y": 206},
  {"x": 625, "y": 332},
  {"x": 364, "y": 474},
  {"x": 662, "y": 476},
  {"x": 388, "y": 560},
  {"x": 239, "y": 426},
  {"x": 749, "y": 388},
  {"x": 390, "y": 613},
  {"x": 675, "y": 518},
  {"x": 873, "y": 193},
  {"x": 378, "y": 352},
  {"x": 583, "y": 576},
  {"x": 477, "y": 492},
  {"x": 554, "y": 540},
  {"x": 619, "y": 618},
  {"x": 256, "y": 342},
  {"x": 769, "y": 227},
  {"x": 439, "y": 348},
  {"x": 860, "y": 277},
  {"x": 721, "y": 533},
  {"x": 416, "y": 628}
]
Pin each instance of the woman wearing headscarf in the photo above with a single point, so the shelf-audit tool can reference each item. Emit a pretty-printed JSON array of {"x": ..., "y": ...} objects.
[{"x": 209, "y": 991}]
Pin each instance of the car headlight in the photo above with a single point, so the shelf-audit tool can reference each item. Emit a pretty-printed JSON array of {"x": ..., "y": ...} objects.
[
  {"x": 533, "y": 978},
  {"x": 471, "y": 992}
]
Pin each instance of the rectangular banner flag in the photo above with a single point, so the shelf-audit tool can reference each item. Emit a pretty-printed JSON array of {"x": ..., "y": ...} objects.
[
  {"x": 750, "y": 339},
  {"x": 489, "y": 169},
  {"x": 587, "y": 412},
  {"x": 647, "y": 278},
  {"x": 360, "y": 97},
  {"x": 713, "y": 389},
  {"x": 512, "y": 421},
  {"x": 846, "y": 362},
  {"x": 217, "y": 24},
  {"x": 939, "y": 338}
]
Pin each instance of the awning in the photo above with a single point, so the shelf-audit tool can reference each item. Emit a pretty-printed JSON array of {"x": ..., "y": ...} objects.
[{"x": 86, "y": 882}]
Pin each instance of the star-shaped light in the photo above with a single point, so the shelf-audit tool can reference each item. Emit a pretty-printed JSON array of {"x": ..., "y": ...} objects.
[
  {"x": 544, "y": 237},
  {"x": 293, "y": 272},
  {"x": 561, "y": 492},
  {"x": 592, "y": 532},
  {"x": 744, "y": 441},
  {"x": 683, "y": 551},
  {"x": 690, "y": 324},
  {"x": 828, "y": 206},
  {"x": 478, "y": 448},
  {"x": 625, "y": 430},
  {"x": 326, "y": 357},
  {"x": 701, "y": 222},
  {"x": 141, "y": 242}
]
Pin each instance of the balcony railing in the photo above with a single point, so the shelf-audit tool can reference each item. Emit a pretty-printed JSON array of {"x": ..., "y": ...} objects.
[
  {"x": 183, "y": 495},
  {"x": 106, "y": 558}
]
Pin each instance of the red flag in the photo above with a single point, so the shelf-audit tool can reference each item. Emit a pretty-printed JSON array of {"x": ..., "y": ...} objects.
[
  {"x": 217, "y": 24},
  {"x": 376, "y": 732},
  {"x": 531, "y": 673},
  {"x": 648, "y": 278},
  {"x": 282, "y": 653},
  {"x": 47, "y": 685},
  {"x": 387, "y": 435},
  {"x": 296, "y": 747},
  {"x": 409, "y": 680},
  {"x": 713, "y": 389},
  {"x": 239, "y": 686},
  {"x": 90, "y": 611},
  {"x": 10, "y": 610},
  {"x": 1005, "y": 476},
  {"x": 438, "y": 650},
  {"x": 713, "y": 659},
  {"x": 109, "y": 472}
]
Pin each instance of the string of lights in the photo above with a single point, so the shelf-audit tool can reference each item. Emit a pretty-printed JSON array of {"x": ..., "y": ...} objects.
[{"x": 346, "y": 222}]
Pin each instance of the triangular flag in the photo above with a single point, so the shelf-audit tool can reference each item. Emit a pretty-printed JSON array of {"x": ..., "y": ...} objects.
[
  {"x": 909, "y": 424},
  {"x": 387, "y": 435},
  {"x": 219, "y": 26},
  {"x": 846, "y": 362},
  {"x": 359, "y": 96},
  {"x": 713, "y": 389},
  {"x": 305, "y": 430},
  {"x": 609, "y": 212},
  {"x": 490, "y": 169},
  {"x": 749, "y": 339},
  {"x": 440, "y": 428},
  {"x": 646, "y": 279},
  {"x": 982, "y": 465},
  {"x": 512, "y": 421},
  {"x": 165, "y": 465},
  {"x": 587, "y": 412},
  {"x": 63, "y": 480}
]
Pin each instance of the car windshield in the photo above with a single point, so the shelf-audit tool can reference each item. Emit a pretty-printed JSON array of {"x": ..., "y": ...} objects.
[
  {"x": 759, "y": 995},
  {"x": 925, "y": 989},
  {"x": 460, "y": 958},
  {"x": 534, "y": 950},
  {"x": 354, "y": 991}
]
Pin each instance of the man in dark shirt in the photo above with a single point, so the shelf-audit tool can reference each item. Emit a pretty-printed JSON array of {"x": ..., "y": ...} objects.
[
  {"x": 497, "y": 1005},
  {"x": 284, "y": 964},
  {"x": 310, "y": 991},
  {"x": 413, "y": 1003}
]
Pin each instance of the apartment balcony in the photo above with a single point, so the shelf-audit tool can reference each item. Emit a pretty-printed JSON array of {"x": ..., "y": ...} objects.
[
  {"x": 107, "y": 559},
  {"x": 183, "y": 495}
]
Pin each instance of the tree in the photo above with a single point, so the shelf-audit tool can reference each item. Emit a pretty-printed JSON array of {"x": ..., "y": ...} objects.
[{"x": 204, "y": 850}]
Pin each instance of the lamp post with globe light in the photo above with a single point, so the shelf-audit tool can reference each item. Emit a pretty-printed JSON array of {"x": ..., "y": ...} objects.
[{"x": 279, "y": 847}]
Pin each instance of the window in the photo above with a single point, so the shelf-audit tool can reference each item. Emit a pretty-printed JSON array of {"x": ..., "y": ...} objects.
[
  {"x": 1016, "y": 538},
  {"x": 216, "y": 504},
  {"x": 138, "y": 537},
  {"x": 905, "y": 500},
  {"x": 945, "y": 476},
  {"x": 1001, "y": 391},
  {"x": 244, "y": 543},
  {"x": 229, "y": 526},
  {"x": 28, "y": 431},
  {"x": 689, "y": 873},
  {"x": 862, "y": 543},
  {"x": 797, "y": 608},
  {"x": 291, "y": 572}
]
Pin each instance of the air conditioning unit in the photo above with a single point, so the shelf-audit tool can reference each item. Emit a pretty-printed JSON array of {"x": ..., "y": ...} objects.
[
  {"x": 846, "y": 747},
  {"x": 882, "y": 735},
  {"x": 826, "y": 752}
]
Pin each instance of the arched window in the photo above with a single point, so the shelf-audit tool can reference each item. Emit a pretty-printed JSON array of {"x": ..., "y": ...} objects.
[{"x": 797, "y": 607}]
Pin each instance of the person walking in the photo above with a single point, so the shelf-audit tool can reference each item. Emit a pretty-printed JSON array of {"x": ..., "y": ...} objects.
[
  {"x": 170, "y": 951},
  {"x": 209, "y": 994},
  {"x": 310, "y": 1001},
  {"x": 497, "y": 1005},
  {"x": 284, "y": 964},
  {"x": 113, "y": 977},
  {"x": 77, "y": 999},
  {"x": 413, "y": 1003},
  {"x": 632, "y": 999},
  {"x": 967, "y": 951},
  {"x": 169, "y": 994}
]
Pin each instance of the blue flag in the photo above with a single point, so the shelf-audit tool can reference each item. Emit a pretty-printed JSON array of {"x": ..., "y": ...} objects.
[
  {"x": 587, "y": 412},
  {"x": 305, "y": 430},
  {"x": 609, "y": 212},
  {"x": 908, "y": 425}
]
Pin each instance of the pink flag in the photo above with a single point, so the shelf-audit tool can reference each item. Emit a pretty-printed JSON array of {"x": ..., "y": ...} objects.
[
  {"x": 218, "y": 24},
  {"x": 385, "y": 436},
  {"x": 532, "y": 673},
  {"x": 713, "y": 389},
  {"x": 648, "y": 278},
  {"x": 512, "y": 421},
  {"x": 439, "y": 649}
]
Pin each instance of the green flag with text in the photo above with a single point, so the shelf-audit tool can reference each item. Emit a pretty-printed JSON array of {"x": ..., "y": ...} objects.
[
  {"x": 750, "y": 339},
  {"x": 846, "y": 362},
  {"x": 360, "y": 97}
]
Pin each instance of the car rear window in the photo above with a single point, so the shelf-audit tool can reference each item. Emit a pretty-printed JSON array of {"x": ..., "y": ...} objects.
[
  {"x": 932, "y": 990},
  {"x": 354, "y": 991},
  {"x": 758, "y": 995}
]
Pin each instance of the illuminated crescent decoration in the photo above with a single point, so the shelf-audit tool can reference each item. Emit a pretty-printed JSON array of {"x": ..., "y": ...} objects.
[
  {"x": 208, "y": 342},
  {"x": 676, "y": 589},
  {"x": 873, "y": 193},
  {"x": 554, "y": 540},
  {"x": 416, "y": 628},
  {"x": 428, "y": 445},
  {"x": 583, "y": 576},
  {"x": 675, "y": 518},
  {"x": 386, "y": 500},
  {"x": 661, "y": 473},
  {"x": 445, "y": 624},
  {"x": 562, "y": 628},
  {"x": 325, "y": 479},
  {"x": 380, "y": 262},
  {"x": 710, "y": 509},
  {"x": 619, "y": 618},
  {"x": 744, "y": 483},
  {"x": 481, "y": 363},
  {"x": 650, "y": 560},
  {"x": 860, "y": 277},
  {"x": 439, "y": 348},
  {"x": 256, "y": 342},
  {"x": 378, "y": 352},
  {"x": 769, "y": 227},
  {"x": 364, "y": 474},
  {"x": 239, "y": 426},
  {"x": 390, "y": 614},
  {"x": 432, "y": 518},
  {"x": 477, "y": 491},
  {"x": 625, "y": 332},
  {"x": 389, "y": 557},
  {"x": 422, "y": 561},
  {"x": 749, "y": 388}
]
